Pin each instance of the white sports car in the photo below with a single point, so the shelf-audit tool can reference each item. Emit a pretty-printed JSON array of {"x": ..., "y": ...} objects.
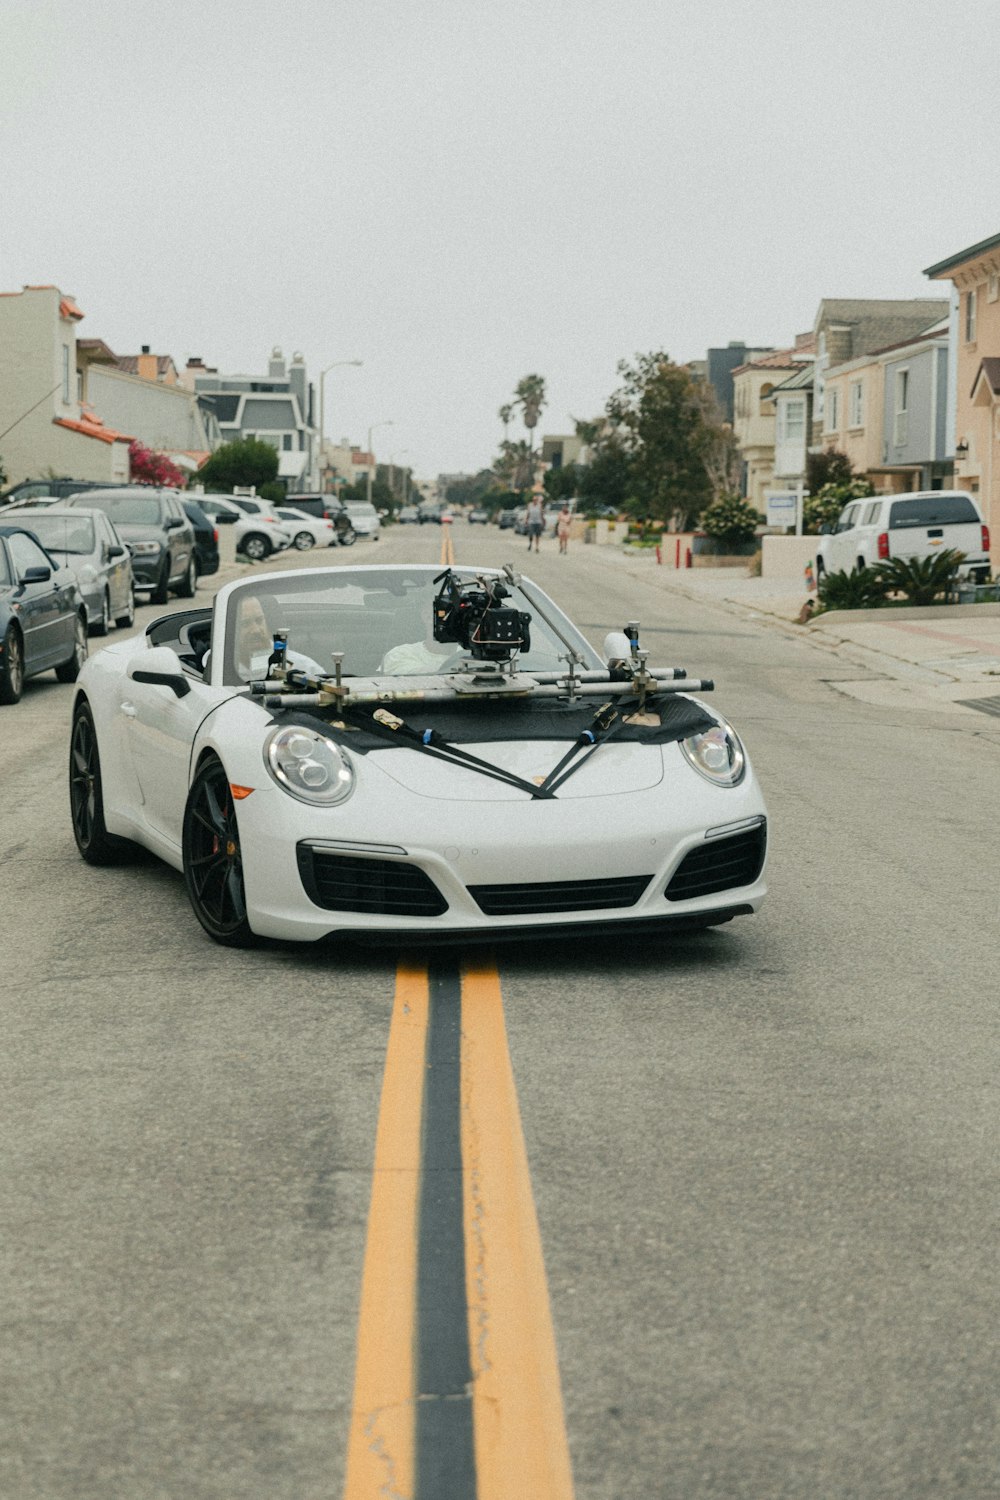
[{"x": 380, "y": 752}]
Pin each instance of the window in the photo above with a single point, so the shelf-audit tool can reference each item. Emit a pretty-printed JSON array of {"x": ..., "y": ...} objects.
[
  {"x": 901, "y": 418},
  {"x": 766, "y": 404},
  {"x": 286, "y": 441},
  {"x": 794, "y": 413},
  {"x": 848, "y": 518},
  {"x": 871, "y": 513},
  {"x": 993, "y": 287},
  {"x": 833, "y": 409},
  {"x": 65, "y": 374},
  {"x": 857, "y": 408},
  {"x": 970, "y": 316},
  {"x": 26, "y": 554}
]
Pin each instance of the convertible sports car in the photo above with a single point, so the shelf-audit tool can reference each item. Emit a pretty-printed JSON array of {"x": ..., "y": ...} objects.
[{"x": 389, "y": 753}]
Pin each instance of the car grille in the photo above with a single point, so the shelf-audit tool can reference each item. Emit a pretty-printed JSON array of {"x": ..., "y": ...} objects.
[
  {"x": 380, "y": 887},
  {"x": 558, "y": 895},
  {"x": 719, "y": 865}
]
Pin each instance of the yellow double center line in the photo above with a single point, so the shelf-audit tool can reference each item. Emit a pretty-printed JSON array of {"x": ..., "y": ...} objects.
[
  {"x": 447, "y": 546},
  {"x": 476, "y": 1297}
]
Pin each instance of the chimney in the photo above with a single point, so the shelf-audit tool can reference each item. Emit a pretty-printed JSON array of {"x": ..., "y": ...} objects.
[{"x": 276, "y": 364}]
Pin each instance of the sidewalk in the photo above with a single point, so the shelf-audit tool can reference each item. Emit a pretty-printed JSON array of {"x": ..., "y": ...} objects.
[{"x": 943, "y": 658}]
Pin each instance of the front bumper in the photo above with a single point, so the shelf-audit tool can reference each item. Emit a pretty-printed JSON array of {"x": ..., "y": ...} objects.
[{"x": 462, "y": 847}]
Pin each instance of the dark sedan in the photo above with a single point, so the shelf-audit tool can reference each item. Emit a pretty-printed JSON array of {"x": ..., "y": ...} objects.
[
  {"x": 43, "y": 619},
  {"x": 206, "y": 539}
]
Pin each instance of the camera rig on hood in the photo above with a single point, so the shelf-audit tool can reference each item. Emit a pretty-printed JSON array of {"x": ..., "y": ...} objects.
[{"x": 469, "y": 612}]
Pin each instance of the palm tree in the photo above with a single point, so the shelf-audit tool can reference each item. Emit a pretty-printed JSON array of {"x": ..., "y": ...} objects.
[{"x": 529, "y": 395}]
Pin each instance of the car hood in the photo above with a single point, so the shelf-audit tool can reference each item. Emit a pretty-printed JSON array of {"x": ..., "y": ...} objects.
[
  {"x": 130, "y": 531},
  {"x": 612, "y": 770}
]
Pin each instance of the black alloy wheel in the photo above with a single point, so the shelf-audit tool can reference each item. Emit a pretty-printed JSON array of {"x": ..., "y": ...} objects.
[
  {"x": 303, "y": 540},
  {"x": 12, "y": 666},
  {"x": 70, "y": 670},
  {"x": 256, "y": 547},
  {"x": 126, "y": 620},
  {"x": 161, "y": 588},
  {"x": 103, "y": 625},
  {"x": 213, "y": 865},
  {"x": 186, "y": 588},
  {"x": 86, "y": 799},
  {"x": 348, "y": 537}
]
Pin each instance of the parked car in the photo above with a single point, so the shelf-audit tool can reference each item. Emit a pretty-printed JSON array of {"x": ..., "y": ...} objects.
[
  {"x": 43, "y": 619},
  {"x": 427, "y": 513},
  {"x": 364, "y": 519},
  {"x": 51, "y": 489},
  {"x": 258, "y": 536},
  {"x": 307, "y": 531},
  {"x": 206, "y": 539},
  {"x": 521, "y": 521},
  {"x": 319, "y": 505},
  {"x": 83, "y": 540},
  {"x": 356, "y": 826},
  {"x": 478, "y": 516},
  {"x": 506, "y": 519},
  {"x": 408, "y": 516},
  {"x": 158, "y": 534},
  {"x": 912, "y": 526},
  {"x": 219, "y": 508}
]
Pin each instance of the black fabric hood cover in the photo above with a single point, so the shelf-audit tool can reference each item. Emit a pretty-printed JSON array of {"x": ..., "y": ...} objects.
[{"x": 493, "y": 721}]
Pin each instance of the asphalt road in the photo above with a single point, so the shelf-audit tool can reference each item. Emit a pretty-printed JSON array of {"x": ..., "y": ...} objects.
[{"x": 764, "y": 1158}]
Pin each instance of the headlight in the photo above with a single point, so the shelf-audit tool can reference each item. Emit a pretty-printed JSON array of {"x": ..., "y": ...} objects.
[
  {"x": 144, "y": 549},
  {"x": 717, "y": 754},
  {"x": 309, "y": 766}
]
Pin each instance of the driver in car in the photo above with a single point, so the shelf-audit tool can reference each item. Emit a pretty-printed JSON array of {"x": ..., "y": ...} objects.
[{"x": 255, "y": 640}]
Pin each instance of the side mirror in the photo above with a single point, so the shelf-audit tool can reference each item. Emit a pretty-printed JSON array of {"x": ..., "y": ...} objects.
[
  {"x": 115, "y": 552},
  {"x": 172, "y": 523},
  {"x": 826, "y": 529},
  {"x": 159, "y": 666},
  {"x": 37, "y": 575}
]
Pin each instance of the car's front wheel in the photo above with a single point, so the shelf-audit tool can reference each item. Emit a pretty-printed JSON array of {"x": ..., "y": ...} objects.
[
  {"x": 69, "y": 671},
  {"x": 12, "y": 666},
  {"x": 213, "y": 864},
  {"x": 348, "y": 537},
  {"x": 303, "y": 540},
  {"x": 189, "y": 583},
  {"x": 256, "y": 547},
  {"x": 86, "y": 797}
]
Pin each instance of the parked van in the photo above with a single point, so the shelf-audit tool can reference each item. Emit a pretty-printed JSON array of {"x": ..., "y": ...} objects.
[{"x": 882, "y": 527}]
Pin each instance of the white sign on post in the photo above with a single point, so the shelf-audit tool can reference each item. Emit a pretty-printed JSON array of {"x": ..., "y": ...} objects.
[{"x": 782, "y": 507}]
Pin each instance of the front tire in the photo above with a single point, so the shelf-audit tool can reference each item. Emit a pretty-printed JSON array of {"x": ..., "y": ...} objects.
[
  {"x": 161, "y": 589},
  {"x": 70, "y": 670},
  {"x": 190, "y": 582},
  {"x": 103, "y": 625},
  {"x": 348, "y": 537},
  {"x": 256, "y": 547},
  {"x": 213, "y": 865},
  {"x": 303, "y": 540},
  {"x": 12, "y": 667},
  {"x": 86, "y": 796}
]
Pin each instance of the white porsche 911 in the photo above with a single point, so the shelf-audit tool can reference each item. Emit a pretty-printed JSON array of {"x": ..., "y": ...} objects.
[{"x": 393, "y": 753}]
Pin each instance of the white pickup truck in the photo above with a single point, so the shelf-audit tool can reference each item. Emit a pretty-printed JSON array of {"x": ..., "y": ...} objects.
[{"x": 880, "y": 528}]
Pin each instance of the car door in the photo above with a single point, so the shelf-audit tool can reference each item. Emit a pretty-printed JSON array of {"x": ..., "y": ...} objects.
[
  {"x": 115, "y": 565},
  {"x": 843, "y": 541},
  {"x": 159, "y": 732},
  {"x": 45, "y": 609},
  {"x": 180, "y": 536}
]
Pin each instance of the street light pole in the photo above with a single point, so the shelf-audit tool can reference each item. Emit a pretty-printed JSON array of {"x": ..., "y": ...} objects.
[
  {"x": 322, "y": 408},
  {"x": 370, "y": 454}
]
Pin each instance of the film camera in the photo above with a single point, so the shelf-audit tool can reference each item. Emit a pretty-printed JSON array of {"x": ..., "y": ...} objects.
[{"x": 470, "y": 613}]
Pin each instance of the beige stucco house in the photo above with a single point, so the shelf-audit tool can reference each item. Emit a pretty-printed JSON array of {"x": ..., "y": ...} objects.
[
  {"x": 49, "y": 425},
  {"x": 975, "y": 274},
  {"x": 754, "y": 412}
]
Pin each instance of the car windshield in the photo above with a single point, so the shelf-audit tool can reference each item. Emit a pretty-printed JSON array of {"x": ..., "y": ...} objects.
[
  {"x": 128, "y": 510},
  {"x": 381, "y": 619},
  {"x": 63, "y": 533},
  {"x": 932, "y": 510}
]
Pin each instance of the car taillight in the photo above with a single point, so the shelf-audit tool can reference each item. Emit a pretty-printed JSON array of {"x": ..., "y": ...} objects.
[
  {"x": 215, "y": 535},
  {"x": 271, "y": 520},
  {"x": 883, "y": 546},
  {"x": 986, "y": 538}
]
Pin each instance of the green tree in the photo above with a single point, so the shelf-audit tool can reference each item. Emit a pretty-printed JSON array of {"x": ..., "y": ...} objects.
[
  {"x": 245, "y": 461},
  {"x": 663, "y": 424},
  {"x": 731, "y": 520},
  {"x": 562, "y": 483},
  {"x": 828, "y": 467},
  {"x": 605, "y": 480}
]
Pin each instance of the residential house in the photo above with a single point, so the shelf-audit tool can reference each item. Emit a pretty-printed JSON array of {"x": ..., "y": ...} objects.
[
  {"x": 46, "y": 416},
  {"x": 754, "y": 413},
  {"x": 142, "y": 394},
  {"x": 847, "y": 328},
  {"x": 719, "y": 367},
  {"x": 975, "y": 275},
  {"x": 793, "y": 402},
  {"x": 278, "y": 408}
]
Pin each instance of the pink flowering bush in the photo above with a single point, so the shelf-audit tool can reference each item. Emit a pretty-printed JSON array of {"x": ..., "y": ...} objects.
[{"x": 147, "y": 467}]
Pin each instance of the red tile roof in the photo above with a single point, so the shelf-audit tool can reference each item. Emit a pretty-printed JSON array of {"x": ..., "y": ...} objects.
[{"x": 90, "y": 425}]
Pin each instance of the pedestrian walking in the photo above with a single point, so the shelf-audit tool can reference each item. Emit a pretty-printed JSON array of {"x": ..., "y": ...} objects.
[
  {"x": 562, "y": 528},
  {"x": 536, "y": 522}
]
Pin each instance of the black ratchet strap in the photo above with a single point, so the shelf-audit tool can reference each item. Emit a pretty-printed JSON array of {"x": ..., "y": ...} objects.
[{"x": 429, "y": 742}]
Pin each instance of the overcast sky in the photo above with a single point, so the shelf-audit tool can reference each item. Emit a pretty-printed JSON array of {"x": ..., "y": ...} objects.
[{"x": 460, "y": 192}]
